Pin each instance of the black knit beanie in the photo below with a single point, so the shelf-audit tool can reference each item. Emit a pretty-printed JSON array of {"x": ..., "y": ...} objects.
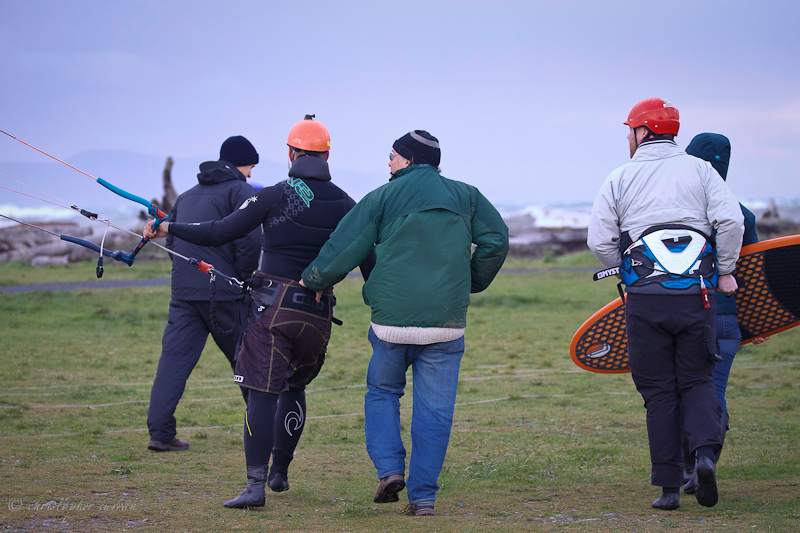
[
  {"x": 238, "y": 151},
  {"x": 420, "y": 147}
]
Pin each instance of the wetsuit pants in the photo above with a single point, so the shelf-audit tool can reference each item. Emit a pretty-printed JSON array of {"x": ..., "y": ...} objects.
[{"x": 273, "y": 424}]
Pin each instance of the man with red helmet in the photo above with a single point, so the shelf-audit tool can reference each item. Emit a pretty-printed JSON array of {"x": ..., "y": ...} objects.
[
  {"x": 654, "y": 218},
  {"x": 288, "y": 331}
]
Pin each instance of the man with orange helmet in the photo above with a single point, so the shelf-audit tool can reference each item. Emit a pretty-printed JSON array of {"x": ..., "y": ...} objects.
[
  {"x": 654, "y": 218},
  {"x": 288, "y": 331}
]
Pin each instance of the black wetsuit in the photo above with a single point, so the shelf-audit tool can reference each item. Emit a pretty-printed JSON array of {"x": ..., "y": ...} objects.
[{"x": 284, "y": 346}]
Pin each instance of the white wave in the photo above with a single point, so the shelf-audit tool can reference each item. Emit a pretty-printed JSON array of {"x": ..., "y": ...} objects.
[
  {"x": 123, "y": 215},
  {"x": 550, "y": 216}
]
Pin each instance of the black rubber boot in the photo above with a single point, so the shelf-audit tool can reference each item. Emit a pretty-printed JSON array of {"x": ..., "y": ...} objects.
[
  {"x": 668, "y": 501},
  {"x": 706, "y": 495},
  {"x": 278, "y": 482},
  {"x": 253, "y": 495}
]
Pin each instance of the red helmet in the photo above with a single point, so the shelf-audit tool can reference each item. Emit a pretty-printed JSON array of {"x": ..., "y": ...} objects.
[
  {"x": 309, "y": 135},
  {"x": 657, "y": 114}
]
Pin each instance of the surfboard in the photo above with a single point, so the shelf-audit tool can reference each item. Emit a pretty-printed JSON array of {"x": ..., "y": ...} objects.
[{"x": 768, "y": 302}]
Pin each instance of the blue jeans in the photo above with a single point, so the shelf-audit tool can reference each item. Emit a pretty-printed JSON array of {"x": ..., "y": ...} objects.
[
  {"x": 435, "y": 372},
  {"x": 729, "y": 337}
]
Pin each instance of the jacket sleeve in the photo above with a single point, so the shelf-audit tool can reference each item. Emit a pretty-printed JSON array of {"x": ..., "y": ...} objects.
[
  {"x": 604, "y": 235},
  {"x": 173, "y": 216},
  {"x": 725, "y": 215},
  {"x": 490, "y": 235},
  {"x": 349, "y": 246},
  {"x": 247, "y": 247},
  {"x": 242, "y": 221}
]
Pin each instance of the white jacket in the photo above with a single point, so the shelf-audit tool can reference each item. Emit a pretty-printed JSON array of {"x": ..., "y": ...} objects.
[{"x": 664, "y": 185}]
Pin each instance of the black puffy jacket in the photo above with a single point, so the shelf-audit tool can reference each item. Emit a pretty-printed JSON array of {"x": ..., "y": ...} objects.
[{"x": 221, "y": 190}]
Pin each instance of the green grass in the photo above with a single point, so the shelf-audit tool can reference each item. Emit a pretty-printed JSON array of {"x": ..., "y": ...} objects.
[
  {"x": 145, "y": 267},
  {"x": 537, "y": 443}
]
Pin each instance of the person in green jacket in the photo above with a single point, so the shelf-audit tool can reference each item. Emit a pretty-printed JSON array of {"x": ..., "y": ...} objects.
[{"x": 422, "y": 227}]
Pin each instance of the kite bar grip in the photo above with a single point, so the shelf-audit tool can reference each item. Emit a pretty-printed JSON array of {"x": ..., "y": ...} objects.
[{"x": 118, "y": 256}]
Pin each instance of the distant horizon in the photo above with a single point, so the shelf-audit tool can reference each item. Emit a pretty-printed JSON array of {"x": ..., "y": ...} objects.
[
  {"x": 101, "y": 163},
  {"x": 526, "y": 97}
]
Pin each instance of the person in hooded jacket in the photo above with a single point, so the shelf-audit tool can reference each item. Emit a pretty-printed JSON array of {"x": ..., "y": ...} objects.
[
  {"x": 221, "y": 189},
  {"x": 716, "y": 149},
  {"x": 287, "y": 334}
]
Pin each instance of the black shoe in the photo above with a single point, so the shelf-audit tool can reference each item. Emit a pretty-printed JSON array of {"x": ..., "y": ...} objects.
[
  {"x": 706, "y": 495},
  {"x": 173, "y": 445},
  {"x": 388, "y": 489},
  {"x": 668, "y": 501},
  {"x": 253, "y": 495},
  {"x": 691, "y": 486},
  {"x": 277, "y": 482}
]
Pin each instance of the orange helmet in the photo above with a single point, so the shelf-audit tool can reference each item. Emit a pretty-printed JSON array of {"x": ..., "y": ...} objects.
[
  {"x": 657, "y": 114},
  {"x": 309, "y": 135}
]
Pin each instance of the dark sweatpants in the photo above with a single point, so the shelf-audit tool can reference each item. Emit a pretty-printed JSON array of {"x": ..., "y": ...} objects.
[
  {"x": 671, "y": 341},
  {"x": 184, "y": 338}
]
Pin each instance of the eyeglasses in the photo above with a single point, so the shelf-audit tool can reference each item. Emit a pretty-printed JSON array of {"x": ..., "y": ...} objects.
[{"x": 391, "y": 155}]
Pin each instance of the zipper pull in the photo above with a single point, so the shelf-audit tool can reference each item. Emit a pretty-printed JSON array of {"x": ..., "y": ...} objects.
[{"x": 704, "y": 294}]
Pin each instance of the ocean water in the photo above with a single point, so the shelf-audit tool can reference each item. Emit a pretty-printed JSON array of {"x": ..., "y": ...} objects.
[
  {"x": 576, "y": 216},
  {"x": 123, "y": 215},
  {"x": 535, "y": 215}
]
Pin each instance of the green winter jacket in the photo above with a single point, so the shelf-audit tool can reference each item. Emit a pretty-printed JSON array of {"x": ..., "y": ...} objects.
[{"x": 422, "y": 227}]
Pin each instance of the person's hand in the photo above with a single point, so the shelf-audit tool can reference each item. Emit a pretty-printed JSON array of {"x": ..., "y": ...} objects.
[
  {"x": 319, "y": 293},
  {"x": 727, "y": 284},
  {"x": 760, "y": 340},
  {"x": 161, "y": 230}
]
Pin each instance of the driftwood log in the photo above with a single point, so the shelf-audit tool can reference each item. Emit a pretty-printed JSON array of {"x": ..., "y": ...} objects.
[
  {"x": 23, "y": 243},
  {"x": 170, "y": 195}
]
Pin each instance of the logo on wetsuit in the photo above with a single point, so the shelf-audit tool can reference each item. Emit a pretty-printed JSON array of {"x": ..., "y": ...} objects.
[
  {"x": 302, "y": 190},
  {"x": 247, "y": 202}
]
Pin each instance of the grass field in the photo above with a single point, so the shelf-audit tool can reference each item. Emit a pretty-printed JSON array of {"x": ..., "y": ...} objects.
[{"x": 537, "y": 444}]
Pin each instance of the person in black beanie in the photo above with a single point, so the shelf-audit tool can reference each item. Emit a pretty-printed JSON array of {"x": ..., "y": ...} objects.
[
  {"x": 421, "y": 227},
  {"x": 240, "y": 152},
  {"x": 221, "y": 189},
  {"x": 420, "y": 148}
]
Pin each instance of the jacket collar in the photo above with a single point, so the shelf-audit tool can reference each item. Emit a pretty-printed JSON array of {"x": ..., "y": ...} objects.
[
  {"x": 404, "y": 171},
  {"x": 652, "y": 150}
]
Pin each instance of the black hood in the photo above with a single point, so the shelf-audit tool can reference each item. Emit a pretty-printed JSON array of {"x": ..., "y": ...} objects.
[
  {"x": 714, "y": 148},
  {"x": 212, "y": 172},
  {"x": 310, "y": 167}
]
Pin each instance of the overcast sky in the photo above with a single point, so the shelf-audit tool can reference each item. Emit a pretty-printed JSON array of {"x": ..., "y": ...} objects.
[{"x": 527, "y": 98}]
